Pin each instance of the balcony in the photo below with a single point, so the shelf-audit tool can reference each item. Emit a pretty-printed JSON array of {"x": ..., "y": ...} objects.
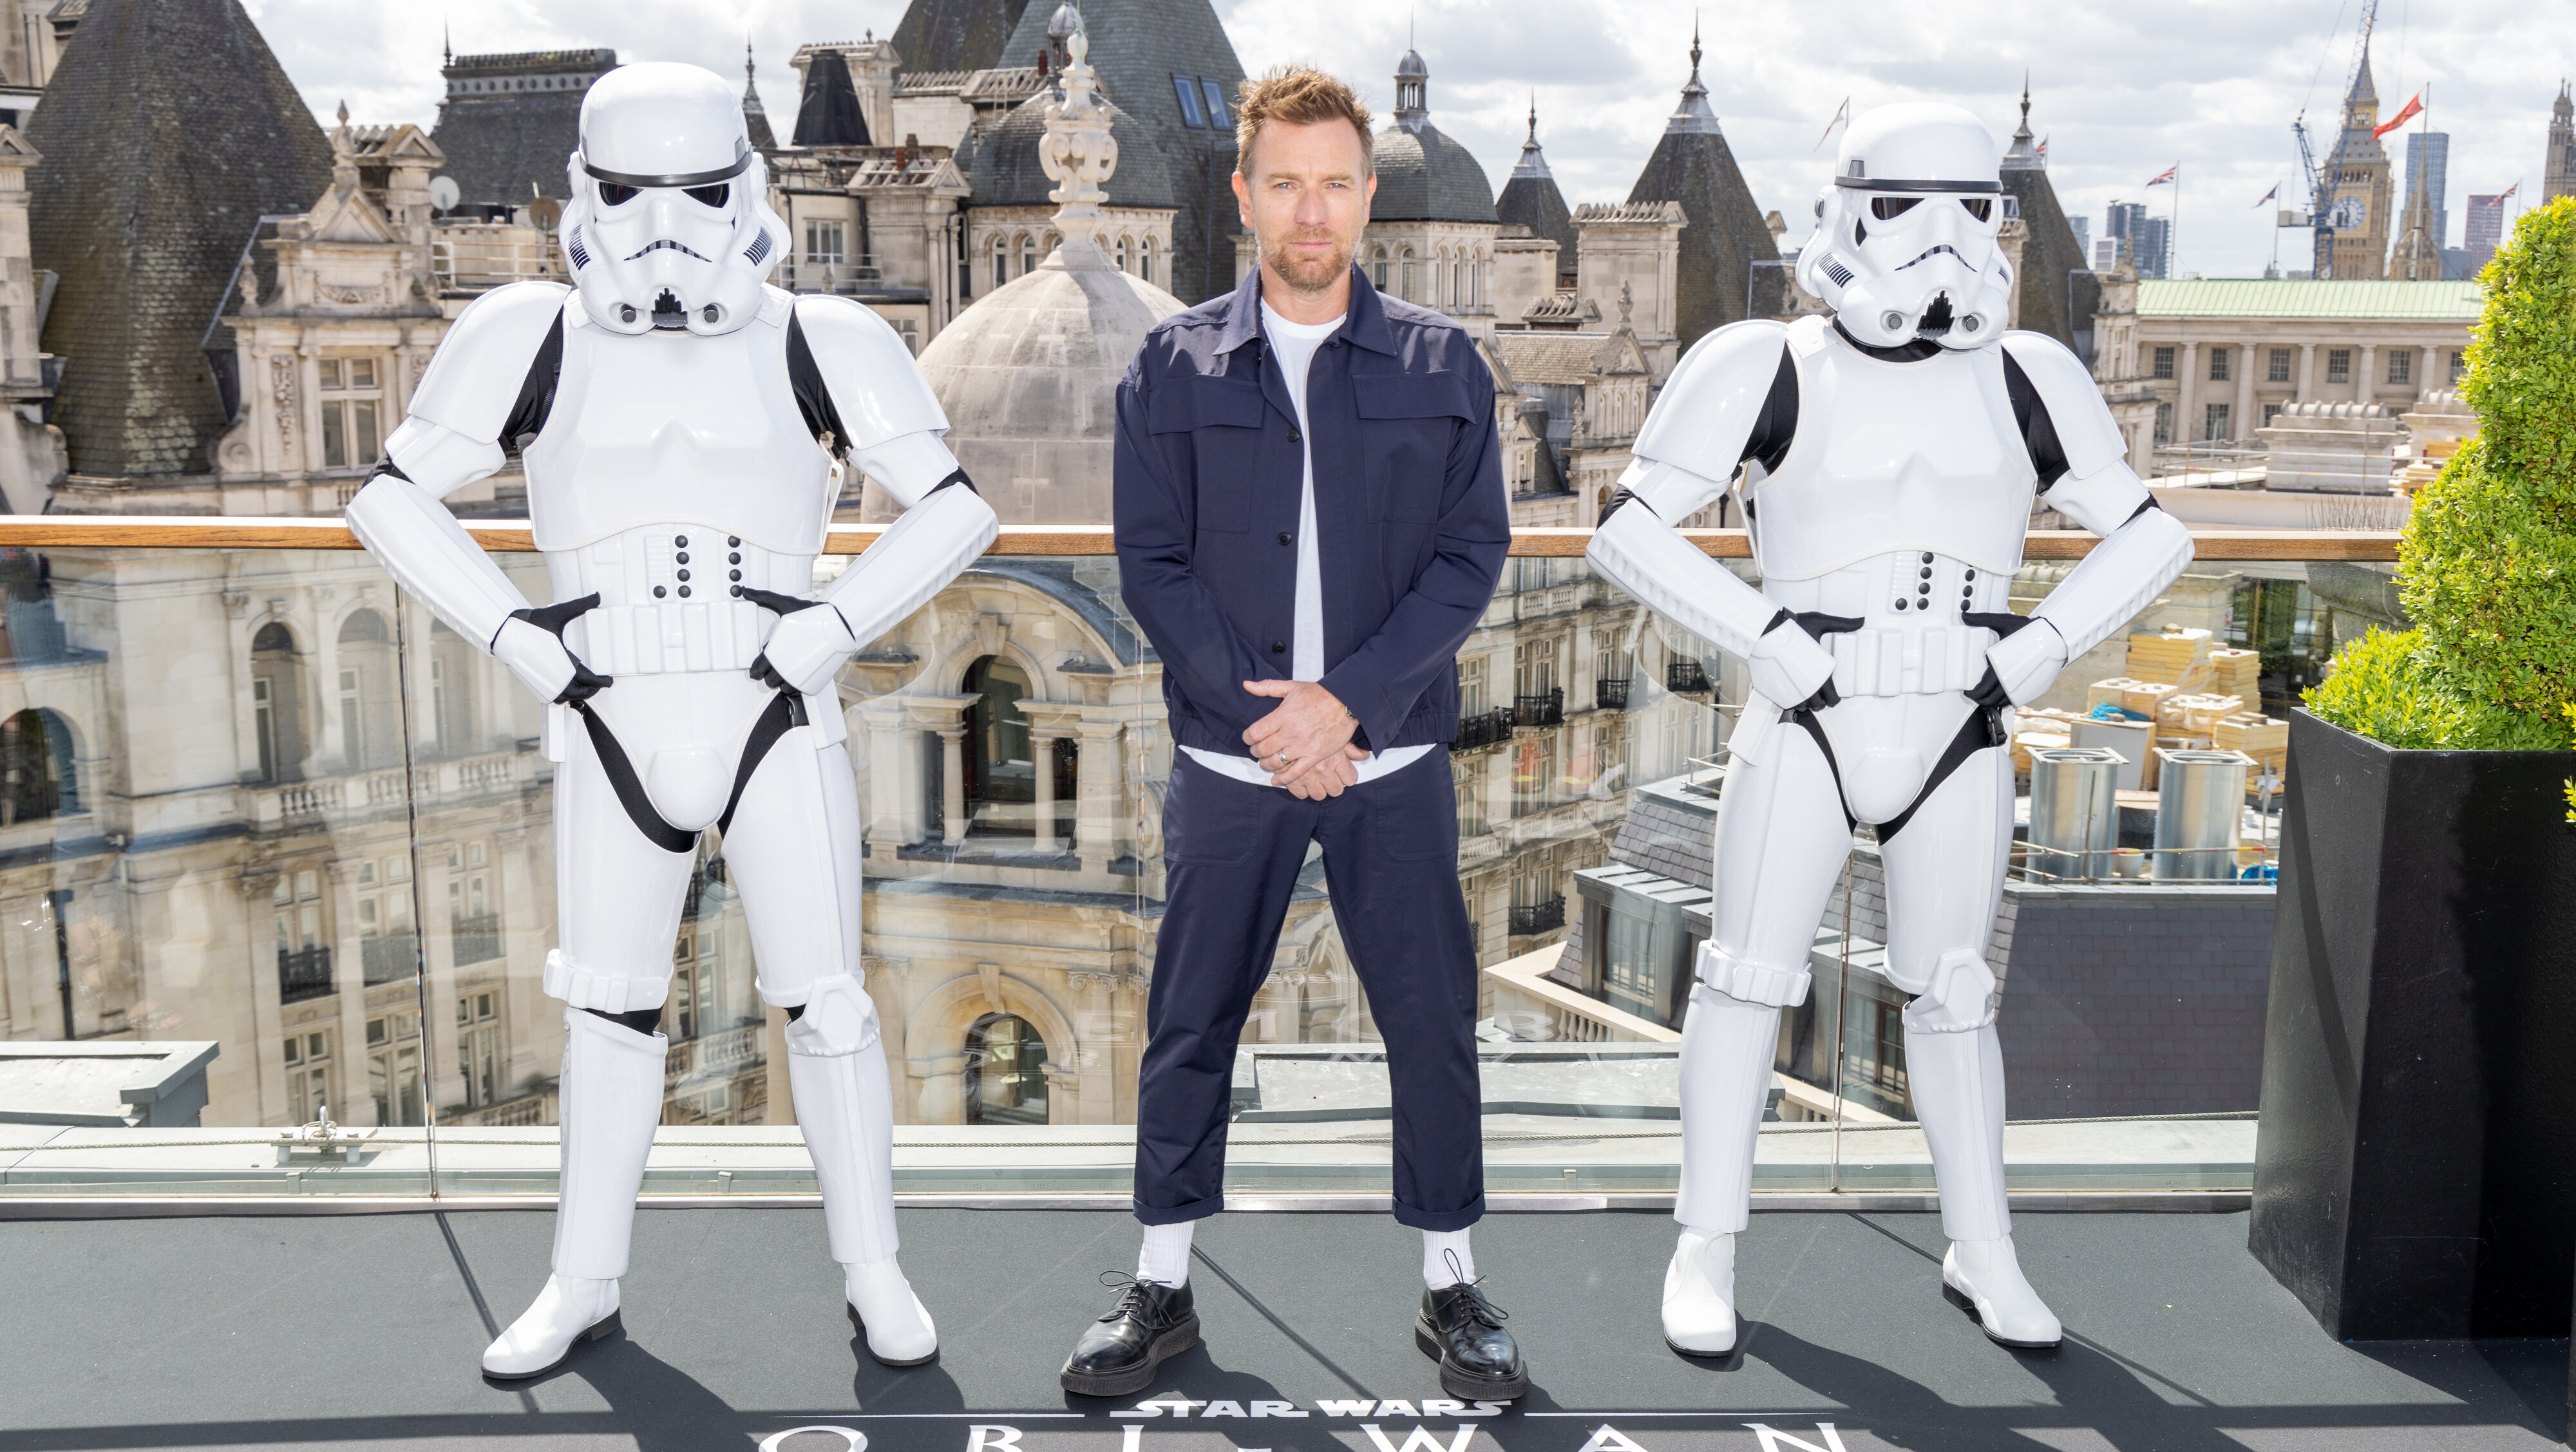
[
  {"x": 1686, "y": 678},
  {"x": 474, "y": 939},
  {"x": 1483, "y": 729},
  {"x": 304, "y": 973},
  {"x": 389, "y": 959},
  {"x": 1538, "y": 917},
  {"x": 1610, "y": 693},
  {"x": 1544, "y": 709}
]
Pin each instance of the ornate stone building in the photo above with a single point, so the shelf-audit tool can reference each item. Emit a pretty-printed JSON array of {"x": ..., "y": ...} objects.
[
  {"x": 2558, "y": 164},
  {"x": 2357, "y": 201}
]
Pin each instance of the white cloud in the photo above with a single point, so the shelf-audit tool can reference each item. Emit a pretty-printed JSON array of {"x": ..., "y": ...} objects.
[{"x": 2122, "y": 91}]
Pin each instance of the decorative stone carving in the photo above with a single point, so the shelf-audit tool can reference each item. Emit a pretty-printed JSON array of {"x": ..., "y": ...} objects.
[
  {"x": 1079, "y": 154},
  {"x": 281, "y": 373}
]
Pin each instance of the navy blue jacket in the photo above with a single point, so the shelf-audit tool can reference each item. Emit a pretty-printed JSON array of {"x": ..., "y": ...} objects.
[{"x": 1408, "y": 496}]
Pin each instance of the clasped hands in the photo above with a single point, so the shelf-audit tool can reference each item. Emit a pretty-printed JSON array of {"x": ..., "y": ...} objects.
[{"x": 1305, "y": 741}]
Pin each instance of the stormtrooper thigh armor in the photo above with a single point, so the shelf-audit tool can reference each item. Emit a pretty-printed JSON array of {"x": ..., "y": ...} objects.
[
  {"x": 1891, "y": 454},
  {"x": 678, "y": 419}
]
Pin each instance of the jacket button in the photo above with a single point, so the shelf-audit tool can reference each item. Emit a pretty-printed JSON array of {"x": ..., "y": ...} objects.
[
  {"x": 1295, "y": 438},
  {"x": 1278, "y": 647},
  {"x": 1286, "y": 538}
]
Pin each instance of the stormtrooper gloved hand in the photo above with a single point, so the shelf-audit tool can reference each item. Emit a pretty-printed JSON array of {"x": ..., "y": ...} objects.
[
  {"x": 1791, "y": 669},
  {"x": 808, "y": 646},
  {"x": 536, "y": 655},
  {"x": 2022, "y": 666}
]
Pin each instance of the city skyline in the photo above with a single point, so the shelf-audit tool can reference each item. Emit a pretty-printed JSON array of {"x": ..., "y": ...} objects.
[{"x": 2109, "y": 87}]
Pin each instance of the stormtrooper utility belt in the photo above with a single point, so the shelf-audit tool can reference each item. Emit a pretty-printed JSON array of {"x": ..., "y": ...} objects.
[
  {"x": 1983, "y": 729},
  {"x": 785, "y": 713}
]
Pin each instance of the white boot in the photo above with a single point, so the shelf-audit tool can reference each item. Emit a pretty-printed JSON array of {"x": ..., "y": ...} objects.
[
  {"x": 1699, "y": 1295},
  {"x": 566, "y": 1311},
  {"x": 836, "y": 1068},
  {"x": 611, "y": 1102},
  {"x": 1985, "y": 1276}
]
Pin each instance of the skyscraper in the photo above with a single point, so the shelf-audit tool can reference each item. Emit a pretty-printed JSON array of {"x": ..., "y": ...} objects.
[
  {"x": 2485, "y": 229},
  {"x": 2144, "y": 240},
  {"x": 2428, "y": 159}
]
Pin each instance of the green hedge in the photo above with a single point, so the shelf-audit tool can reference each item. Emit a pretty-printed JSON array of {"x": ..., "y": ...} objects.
[{"x": 2488, "y": 561}]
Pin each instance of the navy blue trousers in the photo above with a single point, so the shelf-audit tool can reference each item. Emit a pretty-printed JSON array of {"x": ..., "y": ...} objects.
[{"x": 1232, "y": 851}]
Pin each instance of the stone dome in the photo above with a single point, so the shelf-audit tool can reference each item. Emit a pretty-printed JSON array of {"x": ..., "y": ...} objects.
[
  {"x": 1029, "y": 376},
  {"x": 1007, "y": 173},
  {"x": 1424, "y": 176}
]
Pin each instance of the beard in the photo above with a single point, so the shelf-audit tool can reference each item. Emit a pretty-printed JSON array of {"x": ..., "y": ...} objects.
[{"x": 1309, "y": 273}]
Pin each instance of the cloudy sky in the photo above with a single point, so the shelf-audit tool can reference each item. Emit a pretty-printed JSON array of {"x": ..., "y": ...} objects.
[{"x": 2122, "y": 91}]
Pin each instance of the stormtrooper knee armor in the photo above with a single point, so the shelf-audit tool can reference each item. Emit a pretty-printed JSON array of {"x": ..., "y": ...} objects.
[
  {"x": 678, "y": 419},
  {"x": 1886, "y": 458}
]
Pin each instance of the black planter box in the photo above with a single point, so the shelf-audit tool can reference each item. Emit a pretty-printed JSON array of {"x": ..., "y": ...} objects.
[{"x": 2415, "y": 1174}]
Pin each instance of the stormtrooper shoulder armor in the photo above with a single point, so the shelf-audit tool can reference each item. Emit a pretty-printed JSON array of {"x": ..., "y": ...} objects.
[
  {"x": 1713, "y": 401},
  {"x": 474, "y": 381},
  {"x": 869, "y": 377},
  {"x": 2085, "y": 432}
]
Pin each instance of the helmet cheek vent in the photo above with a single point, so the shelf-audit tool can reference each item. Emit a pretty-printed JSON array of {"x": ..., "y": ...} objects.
[
  {"x": 758, "y": 251},
  {"x": 1834, "y": 269}
]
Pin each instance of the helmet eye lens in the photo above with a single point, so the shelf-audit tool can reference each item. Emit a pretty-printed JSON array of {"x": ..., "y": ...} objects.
[
  {"x": 714, "y": 196},
  {"x": 1888, "y": 209},
  {"x": 1978, "y": 207},
  {"x": 613, "y": 195}
]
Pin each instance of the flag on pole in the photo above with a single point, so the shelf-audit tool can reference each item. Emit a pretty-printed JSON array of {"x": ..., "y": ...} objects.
[
  {"x": 1842, "y": 114},
  {"x": 2508, "y": 191},
  {"x": 2272, "y": 195},
  {"x": 2164, "y": 177},
  {"x": 2406, "y": 113},
  {"x": 2043, "y": 148}
]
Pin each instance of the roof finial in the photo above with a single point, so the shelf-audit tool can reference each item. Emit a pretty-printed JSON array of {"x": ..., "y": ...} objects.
[
  {"x": 1533, "y": 131},
  {"x": 344, "y": 113},
  {"x": 1694, "y": 45},
  {"x": 2025, "y": 98},
  {"x": 446, "y": 43}
]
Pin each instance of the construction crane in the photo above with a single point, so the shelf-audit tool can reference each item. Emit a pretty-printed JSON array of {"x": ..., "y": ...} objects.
[{"x": 2321, "y": 213}]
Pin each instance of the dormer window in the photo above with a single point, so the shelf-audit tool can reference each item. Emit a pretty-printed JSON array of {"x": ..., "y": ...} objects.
[{"x": 1187, "y": 88}]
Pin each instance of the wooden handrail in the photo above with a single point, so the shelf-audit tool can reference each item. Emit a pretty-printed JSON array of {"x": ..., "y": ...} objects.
[{"x": 132, "y": 531}]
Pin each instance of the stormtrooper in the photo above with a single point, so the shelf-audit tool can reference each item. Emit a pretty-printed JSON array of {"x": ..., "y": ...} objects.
[
  {"x": 678, "y": 419},
  {"x": 1890, "y": 454}
]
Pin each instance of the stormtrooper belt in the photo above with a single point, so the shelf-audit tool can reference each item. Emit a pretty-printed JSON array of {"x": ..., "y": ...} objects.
[
  {"x": 785, "y": 712},
  {"x": 1983, "y": 730}
]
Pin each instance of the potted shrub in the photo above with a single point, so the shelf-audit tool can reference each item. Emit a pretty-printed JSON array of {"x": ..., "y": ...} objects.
[{"x": 2415, "y": 1174}]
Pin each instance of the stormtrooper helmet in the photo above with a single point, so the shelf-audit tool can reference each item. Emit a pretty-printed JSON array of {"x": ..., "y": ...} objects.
[
  {"x": 669, "y": 226},
  {"x": 1904, "y": 246}
]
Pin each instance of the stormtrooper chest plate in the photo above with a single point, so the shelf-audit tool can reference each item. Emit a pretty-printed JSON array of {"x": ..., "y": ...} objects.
[
  {"x": 1892, "y": 457},
  {"x": 676, "y": 429}
]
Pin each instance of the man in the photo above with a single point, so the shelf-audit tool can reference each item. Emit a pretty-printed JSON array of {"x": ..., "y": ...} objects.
[{"x": 1311, "y": 518}]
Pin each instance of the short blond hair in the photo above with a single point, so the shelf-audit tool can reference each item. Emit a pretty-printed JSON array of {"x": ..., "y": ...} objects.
[{"x": 1298, "y": 96}]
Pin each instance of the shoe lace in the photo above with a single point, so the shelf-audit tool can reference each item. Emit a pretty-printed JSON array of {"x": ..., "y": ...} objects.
[
  {"x": 1468, "y": 1296},
  {"x": 1131, "y": 1296}
]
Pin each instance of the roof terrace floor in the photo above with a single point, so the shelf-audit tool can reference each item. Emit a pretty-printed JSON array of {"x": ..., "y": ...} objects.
[{"x": 363, "y": 1330}]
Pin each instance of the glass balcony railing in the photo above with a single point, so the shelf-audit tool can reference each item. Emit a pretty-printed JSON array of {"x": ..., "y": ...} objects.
[{"x": 274, "y": 833}]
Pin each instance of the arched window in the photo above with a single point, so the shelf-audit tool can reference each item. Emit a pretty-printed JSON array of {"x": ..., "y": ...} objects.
[
  {"x": 277, "y": 703},
  {"x": 36, "y": 769},
  {"x": 1459, "y": 297},
  {"x": 1001, "y": 260},
  {"x": 370, "y": 717},
  {"x": 452, "y": 662},
  {"x": 1408, "y": 290},
  {"x": 1377, "y": 268},
  {"x": 1122, "y": 254},
  {"x": 1028, "y": 254},
  {"x": 1001, "y": 775},
  {"x": 1145, "y": 259},
  {"x": 1005, "y": 1072}
]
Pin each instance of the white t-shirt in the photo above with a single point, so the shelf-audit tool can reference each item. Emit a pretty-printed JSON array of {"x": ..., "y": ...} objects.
[{"x": 1294, "y": 345}]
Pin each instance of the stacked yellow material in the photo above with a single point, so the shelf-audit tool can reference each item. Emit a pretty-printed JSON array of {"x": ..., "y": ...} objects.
[
  {"x": 2235, "y": 673},
  {"x": 2040, "y": 729},
  {"x": 2194, "y": 716},
  {"x": 2258, "y": 736},
  {"x": 2171, "y": 656}
]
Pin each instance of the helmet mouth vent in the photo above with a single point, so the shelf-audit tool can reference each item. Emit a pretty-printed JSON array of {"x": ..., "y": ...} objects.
[
  {"x": 670, "y": 316},
  {"x": 1936, "y": 318}
]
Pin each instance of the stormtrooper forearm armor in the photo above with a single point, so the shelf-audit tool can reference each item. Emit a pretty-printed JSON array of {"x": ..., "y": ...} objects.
[
  {"x": 2143, "y": 549},
  {"x": 945, "y": 525}
]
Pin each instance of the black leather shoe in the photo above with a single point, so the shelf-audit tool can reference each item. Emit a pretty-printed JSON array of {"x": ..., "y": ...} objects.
[
  {"x": 1464, "y": 1332},
  {"x": 1117, "y": 1354}
]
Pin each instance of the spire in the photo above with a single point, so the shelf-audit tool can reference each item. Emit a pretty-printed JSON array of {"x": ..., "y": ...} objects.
[
  {"x": 1412, "y": 91},
  {"x": 1693, "y": 116},
  {"x": 755, "y": 117},
  {"x": 1078, "y": 153},
  {"x": 446, "y": 45},
  {"x": 2024, "y": 154},
  {"x": 1533, "y": 162}
]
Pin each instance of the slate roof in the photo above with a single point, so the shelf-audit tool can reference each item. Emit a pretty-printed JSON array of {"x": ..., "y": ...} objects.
[
  {"x": 1005, "y": 170},
  {"x": 2058, "y": 288},
  {"x": 1567, "y": 358},
  {"x": 828, "y": 112},
  {"x": 1137, "y": 46},
  {"x": 1723, "y": 233},
  {"x": 504, "y": 148},
  {"x": 955, "y": 35},
  {"x": 1424, "y": 176},
  {"x": 167, "y": 132},
  {"x": 1530, "y": 198}
]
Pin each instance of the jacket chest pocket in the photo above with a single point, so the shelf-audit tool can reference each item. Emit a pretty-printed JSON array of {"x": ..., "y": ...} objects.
[
  {"x": 1222, "y": 419},
  {"x": 1407, "y": 424}
]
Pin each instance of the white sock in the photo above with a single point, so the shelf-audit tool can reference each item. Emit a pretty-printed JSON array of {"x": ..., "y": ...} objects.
[
  {"x": 1165, "y": 1257},
  {"x": 1439, "y": 1249}
]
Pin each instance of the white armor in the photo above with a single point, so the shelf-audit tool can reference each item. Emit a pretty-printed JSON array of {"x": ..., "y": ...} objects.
[
  {"x": 1887, "y": 490},
  {"x": 679, "y": 485}
]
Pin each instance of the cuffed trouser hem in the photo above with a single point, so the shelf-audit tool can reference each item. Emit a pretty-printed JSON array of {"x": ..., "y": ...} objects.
[
  {"x": 1458, "y": 1219},
  {"x": 1178, "y": 1214}
]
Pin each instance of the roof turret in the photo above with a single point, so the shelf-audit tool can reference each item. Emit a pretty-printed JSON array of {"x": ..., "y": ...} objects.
[{"x": 1423, "y": 175}]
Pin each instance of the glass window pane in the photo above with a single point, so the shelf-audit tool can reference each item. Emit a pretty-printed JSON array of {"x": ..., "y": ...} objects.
[{"x": 1187, "y": 89}]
